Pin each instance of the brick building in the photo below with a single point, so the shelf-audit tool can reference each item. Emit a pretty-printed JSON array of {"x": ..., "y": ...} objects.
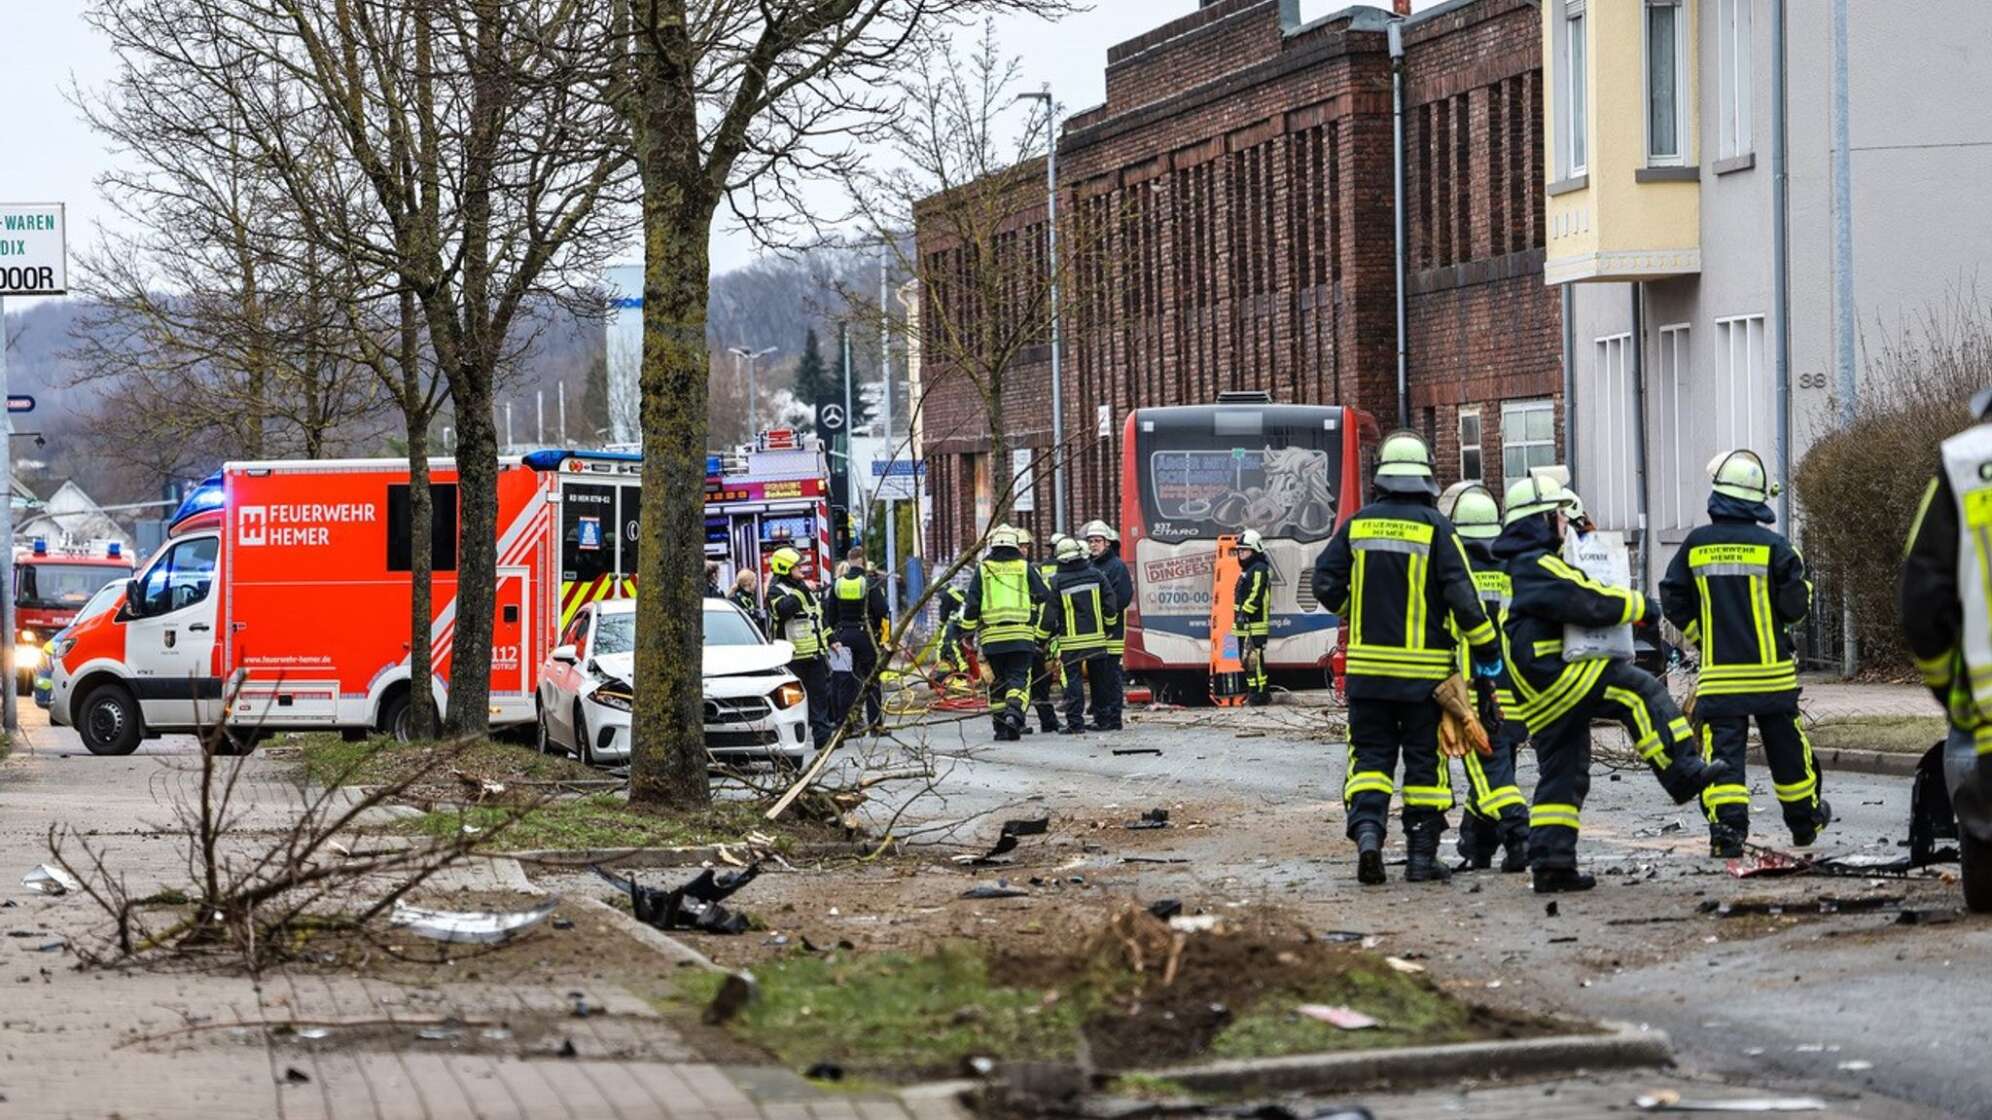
[{"x": 1228, "y": 213}]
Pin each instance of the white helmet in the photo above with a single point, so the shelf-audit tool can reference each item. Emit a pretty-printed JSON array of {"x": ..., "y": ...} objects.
[
  {"x": 1250, "y": 539},
  {"x": 1002, "y": 537},
  {"x": 1740, "y": 474},
  {"x": 1533, "y": 495},
  {"x": 1474, "y": 513},
  {"x": 1070, "y": 549},
  {"x": 1098, "y": 528}
]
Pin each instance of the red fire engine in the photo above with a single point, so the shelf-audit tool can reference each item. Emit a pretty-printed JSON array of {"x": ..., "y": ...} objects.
[
  {"x": 50, "y": 585},
  {"x": 295, "y": 576}
]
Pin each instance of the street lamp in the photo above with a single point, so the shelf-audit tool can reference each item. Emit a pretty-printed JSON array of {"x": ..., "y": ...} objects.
[
  {"x": 741, "y": 353},
  {"x": 1051, "y": 260}
]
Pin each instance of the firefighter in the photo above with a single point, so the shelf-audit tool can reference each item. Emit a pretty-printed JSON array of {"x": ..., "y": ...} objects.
[
  {"x": 1732, "y": 589},
  {"x": 1558, "y": 699},
  {"x": 1081, "y": 609},
  {"x": 1252, "y": 614},
  {"x": 1946, "y": 618},
  {"x": 1042, "y": 664},
  {"x": 1104, "y": 543},
  {"x": 746, "y": 595},
  {"x": 798, "y": 619},
  {"x": 857, "y": 603},
  {"x": 1398, "y": 574},
  {"x": 1496, "y": 815},
  {"x": 1000, "y": 609},
  {"x": 950, "y": 657}
]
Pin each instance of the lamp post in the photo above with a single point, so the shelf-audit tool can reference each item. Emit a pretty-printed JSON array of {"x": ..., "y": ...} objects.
[
  {"x": 1051, "y": 260},
  {"x": 751, "y": 357}
]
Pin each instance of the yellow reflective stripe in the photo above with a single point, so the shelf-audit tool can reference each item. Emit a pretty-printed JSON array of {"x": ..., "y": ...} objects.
[
  {"x": 1548, "y": 647},
  {"x": 1726, "y": 795},
  {"x": 1567, "y": 692},
  {"x": 1650, "y": 746},
  {"x": 1981, "y": 739},
  {"x": 1356, "y": 599},
  {"x": 1366, "y": 783},
  {"x": 1428, "y": 798},
  {"x": 1414, "y": 602},
  {"x": 1369, "y": 669},
  {"x": 1633, "y": 603},
  {"x": 1476, "y": 777},
  {"x": 1407, "y": 656},
  {"x": 1922, "y": 507},
  {"x": 1550, "y": 814},
  {"x": 1500, "y": 799},
  {"x": 1693, "y": 632},
  {"x": 1936, "y": 670},
  {"x": 1796, "y": 791},
  {"x": 1480, "y": 635},
  {"x": 1760, "y": 613},
  {"x": 1707, "y": 623}
]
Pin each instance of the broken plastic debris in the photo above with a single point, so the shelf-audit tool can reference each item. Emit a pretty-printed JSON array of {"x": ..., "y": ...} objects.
[
  {"x": 50, "y": 880},
  {"x": 1193, "y": 923},
  {"x": 1346, "y": 1018},
  {"x": 1006, "y": 841},
  {"x": 296, "y": 1076},
  {"x": 1856, "y": 1066},
  {"x": 1137, "y": 750},
  {"x": 1153, "y": 818},
  {"x": 1166, "y": 908},
  {"x": 1342, "y": 935},
  {"x": 439, "y": 1034},
  {"x": 476, "y": 926},
  {"x": 1001, "y": 888},
  {"x": 693, "y": 906},
  {"x": 494, "y": 1034},
  {"x": 313, "y": 1034},
  {"x": 1402, "y": 965},
  {"x": 1668, "y": 1100}
]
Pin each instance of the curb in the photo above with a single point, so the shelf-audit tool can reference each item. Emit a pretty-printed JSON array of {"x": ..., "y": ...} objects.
[
  {"x": 1885, "y": 763},
  {"x": 657, "y": 939},
  {"x": 1625, "y": 1047}
]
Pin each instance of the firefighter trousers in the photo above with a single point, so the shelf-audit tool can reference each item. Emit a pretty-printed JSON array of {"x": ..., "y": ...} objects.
[
  {"x": 1563, "y": 756},
  {"x": 1252, "y": 651},
  {"x": 1106, "y": 691},
  {"x": 1793, "y": 773},
  {"x": 814, "y": 673},
  {"x": 1082, "y": 670},
  {"x": 1043, "y": 669},
  {"x": 1383, "y": 733},
  {"x": 864, "y": 665},
  {"x": 1495, "y": 807},
  {"x": 1010, "y": 691}
]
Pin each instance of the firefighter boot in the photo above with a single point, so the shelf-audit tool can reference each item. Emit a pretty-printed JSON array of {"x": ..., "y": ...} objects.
[
  {"x": 1561, "y": 880},
  {"x": 1689, "y": 775},
  {"x": 1515, "y": 845},
  {"x": 1477, "y": 842},
  {"x": 1802, "y": 835},
  {"x": 1422, "y": 843},
  {"x": 1369, "y": 856},
  {"x": 1724, "y": 842}
]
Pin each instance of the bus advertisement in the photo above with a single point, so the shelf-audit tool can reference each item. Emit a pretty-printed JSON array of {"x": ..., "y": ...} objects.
[{"x": 1194, "y": 473}]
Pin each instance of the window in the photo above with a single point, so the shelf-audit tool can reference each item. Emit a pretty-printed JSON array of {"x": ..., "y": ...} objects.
[
  {"x": 1741, "y": 408},
  {"x": 1469, "y": 445},
  {"x": 180, "y": 578},
  {"x": 1666, "y": 102},
  {"x": 61, "y": 586},
  {"x": 1732, "y": 33},
  {"x": 1609, "y": 447},
  {"x": 1528, "y": 439},
  {"x": 1572, "y": 89},
  {"x": 442, "y": 528},
  {"x": 1678, "y": 432}
]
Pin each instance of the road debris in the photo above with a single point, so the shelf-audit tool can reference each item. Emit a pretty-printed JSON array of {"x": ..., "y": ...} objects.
[
  {"x": 1001, "y": 888},
  {"x": 735, "y": 992},
  {"x": 1006, "y": 842},
  {"x": 1343, "y": 936},
  {"x": 1345, "y": 1018},
  {"x": 1193, "y": 923},
  {"x": 1669, "y": 1100},
  {"x": 1402, "y": 965},
  {"x": 1856, "y": 1066},
  {"x": 483, "y": 927},
  {"x": 1153, "y": 818},
  {"x": 1153, "y": 859},
  {"x": 1137, "y": 750},
  {"x": 1829, "y": 904},
  {"x": 296, "y": 1076},
  {"x": 443, "y": 1033},
  {"x": 694, "y": 906},
  {"x": 825, "y": 1071},
  {"x": 1166, "y": 908},
  {"x": 50, "y": 880}
]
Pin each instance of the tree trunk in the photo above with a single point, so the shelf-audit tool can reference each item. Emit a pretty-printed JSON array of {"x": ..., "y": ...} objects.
[
  {"x": 421, "y": 554},
  {"x": 477, "y": 556},
  {"x": 668, "y": 760}
]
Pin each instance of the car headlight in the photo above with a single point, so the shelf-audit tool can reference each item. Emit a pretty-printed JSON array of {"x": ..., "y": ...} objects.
[
  {"x": 60, "y": 647},
  {"x": 614, "y": 694},
  {"x": 29, "y": 637},
  {"x": 788, "y": 695}
]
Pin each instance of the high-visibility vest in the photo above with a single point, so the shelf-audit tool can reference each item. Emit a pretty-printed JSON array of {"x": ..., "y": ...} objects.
[
  {"x": 1968, "y": 465},
  {"x": 804, "y": 629},
  {"x": 1004, "y": 615}
]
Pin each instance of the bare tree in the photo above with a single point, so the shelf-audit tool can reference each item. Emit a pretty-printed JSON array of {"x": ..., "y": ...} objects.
[
  {"x": 728, "y": 102},
  {"x": 478, "y": 136}
]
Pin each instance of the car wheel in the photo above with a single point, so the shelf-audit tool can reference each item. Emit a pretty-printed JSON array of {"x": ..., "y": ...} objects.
[
  {"x": 109, "y": 722},
  {"x": 397, "y": 719},
  {"x": 1976, "y": 857},
  {"x": 584, "y": 744}
]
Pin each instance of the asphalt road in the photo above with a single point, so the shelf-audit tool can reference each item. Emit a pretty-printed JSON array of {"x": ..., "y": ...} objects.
[{"x": 1847, "y": 1001}]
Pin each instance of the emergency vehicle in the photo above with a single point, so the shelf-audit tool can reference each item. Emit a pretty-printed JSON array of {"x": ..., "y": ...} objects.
[
  {"x": 50, "y": 586},
  {"x": 296, "y": 576}
]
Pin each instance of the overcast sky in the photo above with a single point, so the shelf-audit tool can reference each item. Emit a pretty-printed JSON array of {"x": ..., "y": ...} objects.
[{"x": 51, "y": 156}]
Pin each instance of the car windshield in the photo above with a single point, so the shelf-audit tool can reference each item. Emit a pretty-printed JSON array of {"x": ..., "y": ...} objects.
[
  {"x": 616, "y": 633},
  {"x": 60, "y": 585}
]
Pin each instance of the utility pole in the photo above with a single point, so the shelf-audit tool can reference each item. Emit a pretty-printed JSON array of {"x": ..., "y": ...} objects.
[
  {"x": 891, "y": 452},
  {"x": 10, "y": 716},
  {"x": 1843, "y": 275},
  {"x": 752, "y": 358},
  {"x": 851, "y": 492},
  {"x": 1051, "y": 259},
  {"x": 562, "y": 398},
  {"x": 539, "y": 417}
]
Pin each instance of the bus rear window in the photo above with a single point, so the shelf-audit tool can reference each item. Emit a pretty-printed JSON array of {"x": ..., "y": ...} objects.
[{"x": 1210, "y": 471}]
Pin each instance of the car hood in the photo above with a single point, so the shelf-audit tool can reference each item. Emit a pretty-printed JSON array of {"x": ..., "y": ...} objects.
[{"x": 720, "y": 661}]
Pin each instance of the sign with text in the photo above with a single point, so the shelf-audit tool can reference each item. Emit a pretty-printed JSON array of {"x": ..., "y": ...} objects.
[{"x": 34, "y": 252}]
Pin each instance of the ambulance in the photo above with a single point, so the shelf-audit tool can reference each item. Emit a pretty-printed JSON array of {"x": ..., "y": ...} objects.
[{"x": 292, "y": 579}]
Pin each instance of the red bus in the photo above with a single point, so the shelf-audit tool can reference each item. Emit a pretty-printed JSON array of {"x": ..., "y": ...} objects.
[{"x": 1193, "y": 473}]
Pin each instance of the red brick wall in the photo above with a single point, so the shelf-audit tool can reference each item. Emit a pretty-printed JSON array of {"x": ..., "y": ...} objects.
[{"x": 1228, "y": 215}]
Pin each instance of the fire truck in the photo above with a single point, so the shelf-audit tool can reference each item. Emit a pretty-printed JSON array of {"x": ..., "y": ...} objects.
[
  {"x": 292, "y": 579},
  {"x": 50, "y": 586}
]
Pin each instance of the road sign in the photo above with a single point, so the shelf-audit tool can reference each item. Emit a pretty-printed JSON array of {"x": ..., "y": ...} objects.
[
  {"x": 20, "y": 402},
  {"x": 34, "y": 252}
]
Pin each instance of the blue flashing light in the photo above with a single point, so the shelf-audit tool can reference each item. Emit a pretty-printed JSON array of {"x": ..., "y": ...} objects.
[
  {"x": 114, "y": 550},
  {"x": 715, "y": 466},
  {"x": 549, "y": 459},
  {"x": 203, "y": 498},
  {"x": 41, "y": 546}
]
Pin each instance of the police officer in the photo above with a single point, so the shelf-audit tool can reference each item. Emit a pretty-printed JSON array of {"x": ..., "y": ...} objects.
[
  {"x": 1732, "y": 589},
  {"x": 1104, "y": 543},
  {"x": 1946, "y": 619},
  {"x": 1081, "y": 609},
  {"x": 1397, "y": 574},
  {"x": 1252, "y": 614},
  {"x": 1558, "y": 699},
  {"x": 1000, "y": 608},
  {"x": 798, "y": 618},
  {"x": 1496, "y": 815},
  {"x": 857, "y": 604}
]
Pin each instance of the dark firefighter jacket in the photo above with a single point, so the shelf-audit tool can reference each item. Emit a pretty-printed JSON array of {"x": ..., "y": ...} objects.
[
  {"x": 1733, "y": 588},
  {"x": 1114, "y": 571},
  {"x": 1490, "y": 578},
  {"x": 1081, "y": 608},
  {"x": 1252, "y": 599},
  {"x": 1549, "y": 594},
  {"x": 1398, "y": 576},
  {"x": 855, "y": 608},
  {"x": 1001, "y": 606}
]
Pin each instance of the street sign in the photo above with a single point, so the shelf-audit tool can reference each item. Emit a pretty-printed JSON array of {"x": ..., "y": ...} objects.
[
  {"x": 20, "y": 402},
  {"x": 894, "y": 479},
  {"x": 34, "y": 252}
]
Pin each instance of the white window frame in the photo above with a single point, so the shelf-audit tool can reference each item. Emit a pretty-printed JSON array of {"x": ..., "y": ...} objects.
[
  {"x": 1682, "y": 137},
  {"x": 1512, "y": 414},
  {"x": 1477, "y": 446},
  {"x": 1675, "y": 400},
  {"x": 1742, "y": 401},
  {"x": 1573, "y": 90},
  {"x": 1608, "y": 444},
  {"x": 1735, "y": 78}
]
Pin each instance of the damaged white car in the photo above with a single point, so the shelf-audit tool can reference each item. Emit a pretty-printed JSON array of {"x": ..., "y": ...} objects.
[{"x": 755, "y": 709}]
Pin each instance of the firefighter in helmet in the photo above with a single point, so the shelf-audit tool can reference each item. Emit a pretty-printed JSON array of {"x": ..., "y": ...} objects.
[
  {"x": 1496, "y": 817},
  {"x": 1001, "y": 610},
  {"x": 797, "y": 617},
  {"x": 1252, "y": 614},
  {"x": 1104, "y": 544}
]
